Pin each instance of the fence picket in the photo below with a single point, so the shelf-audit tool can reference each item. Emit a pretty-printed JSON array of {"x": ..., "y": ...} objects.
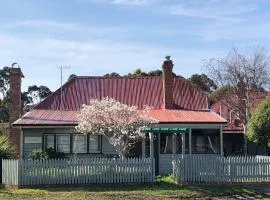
[
  {"x": 211, "y": 169},
  {"x": 77, "y": 171}
]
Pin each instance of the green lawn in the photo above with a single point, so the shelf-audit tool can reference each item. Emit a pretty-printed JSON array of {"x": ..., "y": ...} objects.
[{"x": 163, "y": 189}]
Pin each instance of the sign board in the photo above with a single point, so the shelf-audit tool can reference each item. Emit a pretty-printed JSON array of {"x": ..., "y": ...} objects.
[{"x": 31, "y": 140}]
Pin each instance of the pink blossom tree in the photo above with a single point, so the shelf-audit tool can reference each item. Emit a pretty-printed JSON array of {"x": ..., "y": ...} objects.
[{"x": 122, "y": 125}]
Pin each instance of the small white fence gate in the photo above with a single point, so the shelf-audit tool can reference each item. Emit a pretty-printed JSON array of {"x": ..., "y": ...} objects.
[
  {"x": 217, "y": 169},
  {"x": 79, "y": 171}
]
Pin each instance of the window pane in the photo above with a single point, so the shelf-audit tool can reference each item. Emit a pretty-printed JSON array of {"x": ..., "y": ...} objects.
[
  {"x": 79, "y": 144},
  {"x": 49, "y": 141},
  {"x": 94, "y": 144},
  {"x": 205, "y": 141},
  {"x": 63, "y": 144},
  {"x": 166, "y": 143}
]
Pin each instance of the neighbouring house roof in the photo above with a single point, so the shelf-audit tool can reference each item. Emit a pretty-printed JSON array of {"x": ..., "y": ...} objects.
[
  {"x": 38, "y": 117},
  {"x": 224, "y": 109},
  {"x": 190, "y": 103}
]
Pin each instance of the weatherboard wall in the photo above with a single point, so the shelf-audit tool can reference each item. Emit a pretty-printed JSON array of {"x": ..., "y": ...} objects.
[{"x": 33, "y": 138}]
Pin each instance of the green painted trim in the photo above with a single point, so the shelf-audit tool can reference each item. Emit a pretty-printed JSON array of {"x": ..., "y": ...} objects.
[{"x": 166, "y": 130}]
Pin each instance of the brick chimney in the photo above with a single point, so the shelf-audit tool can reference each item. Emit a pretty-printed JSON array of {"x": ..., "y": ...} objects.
[
  {"x": 15, "y": 106},
  {"x": 167, "y": 83}
]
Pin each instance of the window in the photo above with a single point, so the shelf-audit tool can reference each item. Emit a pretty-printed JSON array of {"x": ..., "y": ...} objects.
[
  {"x": 94, "y": 143},
  {"x": 49, "y": 141},
  {"x": 205, "y": 141},
  {"x": 79, "y": 144},
  {"x": 63, "y": 143}
]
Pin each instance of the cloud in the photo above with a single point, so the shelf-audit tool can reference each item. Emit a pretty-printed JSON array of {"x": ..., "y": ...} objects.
[
  {"x": 128, "y": 2},
  {"x": 41, "y": 57},
  {"x": 52, "y": 26},
  {"x": 120, "y": 2},
  {"x": 216, "y": 10}
]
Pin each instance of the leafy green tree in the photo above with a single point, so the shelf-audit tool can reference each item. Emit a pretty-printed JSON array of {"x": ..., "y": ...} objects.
[
  {"x": 113, "y": 74},
  {"x": 71, "y": 76},
  {"x": 4, "y": 80},
  {"x": 43, "y": 92},
  {"x": 259, "y": 125},
  {"x": 6, "y": 148},
  {"x": 203, "y": 82},
  {"x": 38, "y": 93}
]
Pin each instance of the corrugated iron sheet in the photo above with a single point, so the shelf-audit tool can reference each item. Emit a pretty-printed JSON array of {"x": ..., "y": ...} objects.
[
  {"x": 132, "y": 91},
  {"x": 55, "y": 117}
]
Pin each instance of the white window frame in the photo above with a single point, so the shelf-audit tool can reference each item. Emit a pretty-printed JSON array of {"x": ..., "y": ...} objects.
[{"x": 56, "y": 144}]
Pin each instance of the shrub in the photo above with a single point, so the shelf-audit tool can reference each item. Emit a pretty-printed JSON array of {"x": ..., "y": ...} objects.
[
  {"x": 6, "y": 148},
  {"x": 52, "y": 154},
  {"x": 39, "y": 154}
]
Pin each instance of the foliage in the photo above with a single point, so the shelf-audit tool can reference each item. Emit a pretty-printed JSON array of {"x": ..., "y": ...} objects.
[
  {"x": 203, "y": 82},
  {"x": 4, "y": 80},
  {"x": 71, "y": 76},
  {"x": 120, "y": 124},
  {"x": 240, "y": 73},
  {"x": 50, "y": 153},
  {"x": 34, "y": 93},
  {"x": 113, "y": 74},
  {"x": 259, "y": 125},
  {"x": 6, "y": 148},
  {"x": 38, "y": 154},
  {"x": 218, "y": 94},
  {"x": 38, "y": 93}
]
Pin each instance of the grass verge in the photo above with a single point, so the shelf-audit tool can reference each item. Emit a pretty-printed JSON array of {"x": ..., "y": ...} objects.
[{"x": 163, "y": 189}]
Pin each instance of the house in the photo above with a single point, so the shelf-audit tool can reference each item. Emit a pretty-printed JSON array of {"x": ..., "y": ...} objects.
[
  {"x": 186, "y": 124},
  {"x": 234, "y": 130}
]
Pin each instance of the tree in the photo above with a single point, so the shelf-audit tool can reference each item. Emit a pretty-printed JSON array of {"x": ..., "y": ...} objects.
[
  {"x": 113, "y": 74},
  {"x": 218, "y": 94},
  {"x": 6, "y": 148},
  {"x": 203, "y": 82},
  {"x": 240, "y": 74},
  {"x": 122, "y": 125},
  {"x": 4, "y": 80},
  {"x": 259, "y": 125},
  {"x": 71, "y": 76},
  {"x": 38, "y": 93},
  {"x": 43, "y": 92}
]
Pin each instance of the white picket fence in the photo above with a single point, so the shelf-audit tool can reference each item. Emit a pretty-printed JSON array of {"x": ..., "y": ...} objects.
[
  {"x": 217, "y": 169},
  {"x": 79, "y": 171}
]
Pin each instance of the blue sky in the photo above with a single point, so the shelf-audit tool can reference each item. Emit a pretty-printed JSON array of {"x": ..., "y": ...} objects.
[{"x": 95, "y": 37}]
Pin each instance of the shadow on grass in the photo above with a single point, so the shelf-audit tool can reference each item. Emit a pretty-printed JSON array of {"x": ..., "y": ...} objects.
[{"x": 164, "y": 186}]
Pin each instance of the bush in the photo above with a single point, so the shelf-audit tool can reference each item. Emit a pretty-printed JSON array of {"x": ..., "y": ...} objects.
[
  {"x": 6, "y": 148},
  {"x": 39, "y": 154}
]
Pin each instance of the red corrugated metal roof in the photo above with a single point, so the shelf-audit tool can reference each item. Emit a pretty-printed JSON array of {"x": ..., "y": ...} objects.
[
  {"x": 234, "y": 124},
  {"x": 132, "y": 91},
  {"x": 54, "y": 117},
  {"x": 190, "y": 103}
]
